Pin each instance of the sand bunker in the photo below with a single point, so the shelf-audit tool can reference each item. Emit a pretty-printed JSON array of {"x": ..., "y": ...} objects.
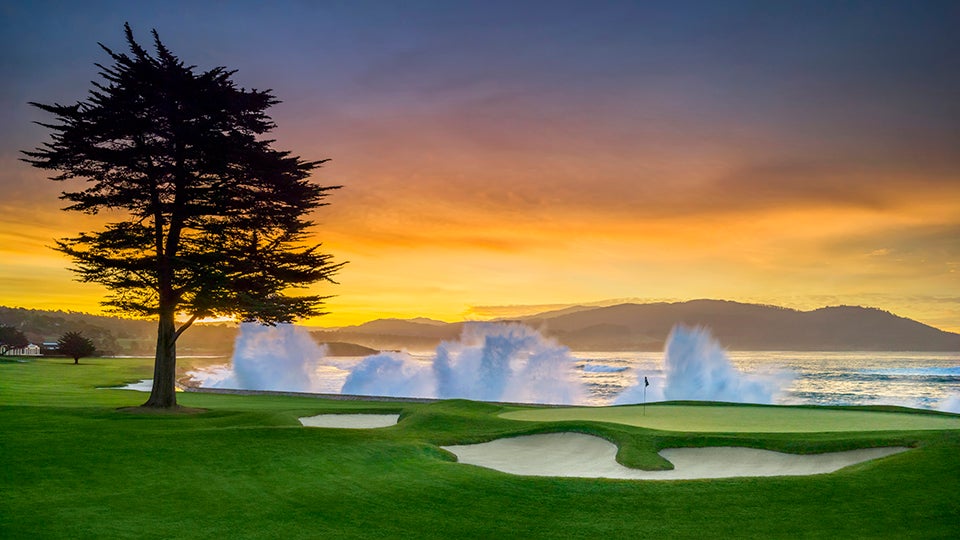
[
  {"x": 350, "y": 421},
  {"x": 145, "y": 385},
  {"x": 586, "y": 456}
]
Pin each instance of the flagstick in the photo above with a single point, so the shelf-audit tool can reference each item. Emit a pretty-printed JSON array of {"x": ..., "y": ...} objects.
[{"x": 644, "y": 398}]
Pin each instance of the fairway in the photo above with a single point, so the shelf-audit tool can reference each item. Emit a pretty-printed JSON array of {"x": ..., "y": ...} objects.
[
  {"x": 78, "y": 464},
  {"x": 742, "y": 418}
]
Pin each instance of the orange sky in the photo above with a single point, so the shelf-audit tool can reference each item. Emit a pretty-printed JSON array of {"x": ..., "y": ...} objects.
[{"x": 488, "y": 168}]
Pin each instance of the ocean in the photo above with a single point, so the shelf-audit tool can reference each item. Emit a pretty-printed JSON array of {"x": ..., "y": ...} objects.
[
  {"x": 911, "y": 379},
  {"x": 515, "y": 363}
]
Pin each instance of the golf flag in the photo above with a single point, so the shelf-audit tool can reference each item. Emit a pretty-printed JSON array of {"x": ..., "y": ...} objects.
[{"x": 646, "y": 383}]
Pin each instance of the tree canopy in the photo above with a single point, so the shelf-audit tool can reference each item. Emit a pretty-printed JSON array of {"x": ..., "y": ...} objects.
[
  {"x": 11, "y": 338},
  {"x": 215, "y": 220},
  {"x": 76, "y": 346}
]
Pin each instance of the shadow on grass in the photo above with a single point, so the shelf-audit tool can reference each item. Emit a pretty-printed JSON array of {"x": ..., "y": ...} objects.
[{"x": 179, "y": 410}]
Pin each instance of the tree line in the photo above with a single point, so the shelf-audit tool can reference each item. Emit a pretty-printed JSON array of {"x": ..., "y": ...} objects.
[
  {"x": 71, "y": 344},
  {"x": 114, "y": 335}
]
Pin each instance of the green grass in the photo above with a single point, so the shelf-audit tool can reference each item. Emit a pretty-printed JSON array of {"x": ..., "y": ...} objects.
[
  {"x": 743, "y": 418},
  {"x": 73, "y": 466}
]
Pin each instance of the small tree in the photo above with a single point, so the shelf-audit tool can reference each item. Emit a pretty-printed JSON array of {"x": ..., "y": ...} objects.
[
  {"x": 214, "y": 219},
  {"x": 73, "y": 344},
  {"x": 11, "y": 338}
]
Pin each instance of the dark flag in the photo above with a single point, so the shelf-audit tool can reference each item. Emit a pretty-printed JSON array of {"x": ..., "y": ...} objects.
[{"x": 646, "y": 383}]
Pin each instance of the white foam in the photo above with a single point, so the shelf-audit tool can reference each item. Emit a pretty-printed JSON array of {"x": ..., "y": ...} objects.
[
  {"x": 350, "y": 421},
  {"x": 145, "y": 385},
  {"x": 490, "y": 362},
  {"x": 586, "y": 456}
]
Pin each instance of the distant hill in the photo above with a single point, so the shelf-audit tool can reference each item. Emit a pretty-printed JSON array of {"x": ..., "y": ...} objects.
[
  {"x": 386, "y": 334},
  {"x": 738, "y": 326},
  {"x": 117, "y": 335},
  {"x": 746, "y": 327},
  {"x": 132, "y": 337},
  {"x": 404, "y": 327},
  {"x": 339, "y": 348},
  {"x": 624, "y": 327}
]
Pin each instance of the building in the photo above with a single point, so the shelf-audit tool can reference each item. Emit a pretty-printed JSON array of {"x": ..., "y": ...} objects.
[{"x": 30, "y": 350}]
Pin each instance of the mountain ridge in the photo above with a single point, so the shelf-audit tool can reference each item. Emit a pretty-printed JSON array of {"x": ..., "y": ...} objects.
[
  {"x": 621, "y": 327},
  {"x": 631, "y": 326}
]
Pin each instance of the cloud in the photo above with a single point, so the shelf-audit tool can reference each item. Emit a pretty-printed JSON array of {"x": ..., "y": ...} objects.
[
  {"x": 506, "y": 312},
  {"x": 924, "y": 246},
  {"x": 522, "y": 310},
  {"x": 824, "y": 181}
]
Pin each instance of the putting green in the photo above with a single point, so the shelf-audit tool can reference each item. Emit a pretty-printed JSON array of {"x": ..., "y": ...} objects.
[{"x": 742, "y": 418}]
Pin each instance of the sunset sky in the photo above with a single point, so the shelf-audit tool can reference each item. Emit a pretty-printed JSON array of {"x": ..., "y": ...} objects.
[{"x": 506, "y": 157}]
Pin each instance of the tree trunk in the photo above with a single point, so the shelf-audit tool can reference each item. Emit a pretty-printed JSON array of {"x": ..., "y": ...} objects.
[
  {"x": 76, "y": 360},
  {"x": 164, "y": 393}
]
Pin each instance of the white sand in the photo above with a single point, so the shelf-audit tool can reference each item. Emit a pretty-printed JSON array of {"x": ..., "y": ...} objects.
[
  {"x": 145, "y": 385},
  {"x": 579, "y": 455},
  {"x": 350, "y": 421}
]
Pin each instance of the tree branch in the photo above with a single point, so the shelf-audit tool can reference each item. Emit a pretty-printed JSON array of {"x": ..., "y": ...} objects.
[{"x": 184, "y": 327}]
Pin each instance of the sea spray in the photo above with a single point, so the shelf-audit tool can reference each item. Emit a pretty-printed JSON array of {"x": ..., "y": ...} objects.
[
  {"x": 490, "y": 362},
  {"x": 920, "y": 380},
  {"x": 505, "y": 362},
  {"x": 395, "y": 374},
  {"x": 264, "y": 354},
  {"x": 282, "y": 357},
  {"x": 950, "y": 404},
  {"x": 696, "y": 367}
]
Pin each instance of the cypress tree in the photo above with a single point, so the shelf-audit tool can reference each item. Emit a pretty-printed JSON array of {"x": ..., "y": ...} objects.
[{"x": 213, "y": 221}]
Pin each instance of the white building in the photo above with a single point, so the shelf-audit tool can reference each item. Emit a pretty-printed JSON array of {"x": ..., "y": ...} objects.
[{"x": 30, "y": 350}]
